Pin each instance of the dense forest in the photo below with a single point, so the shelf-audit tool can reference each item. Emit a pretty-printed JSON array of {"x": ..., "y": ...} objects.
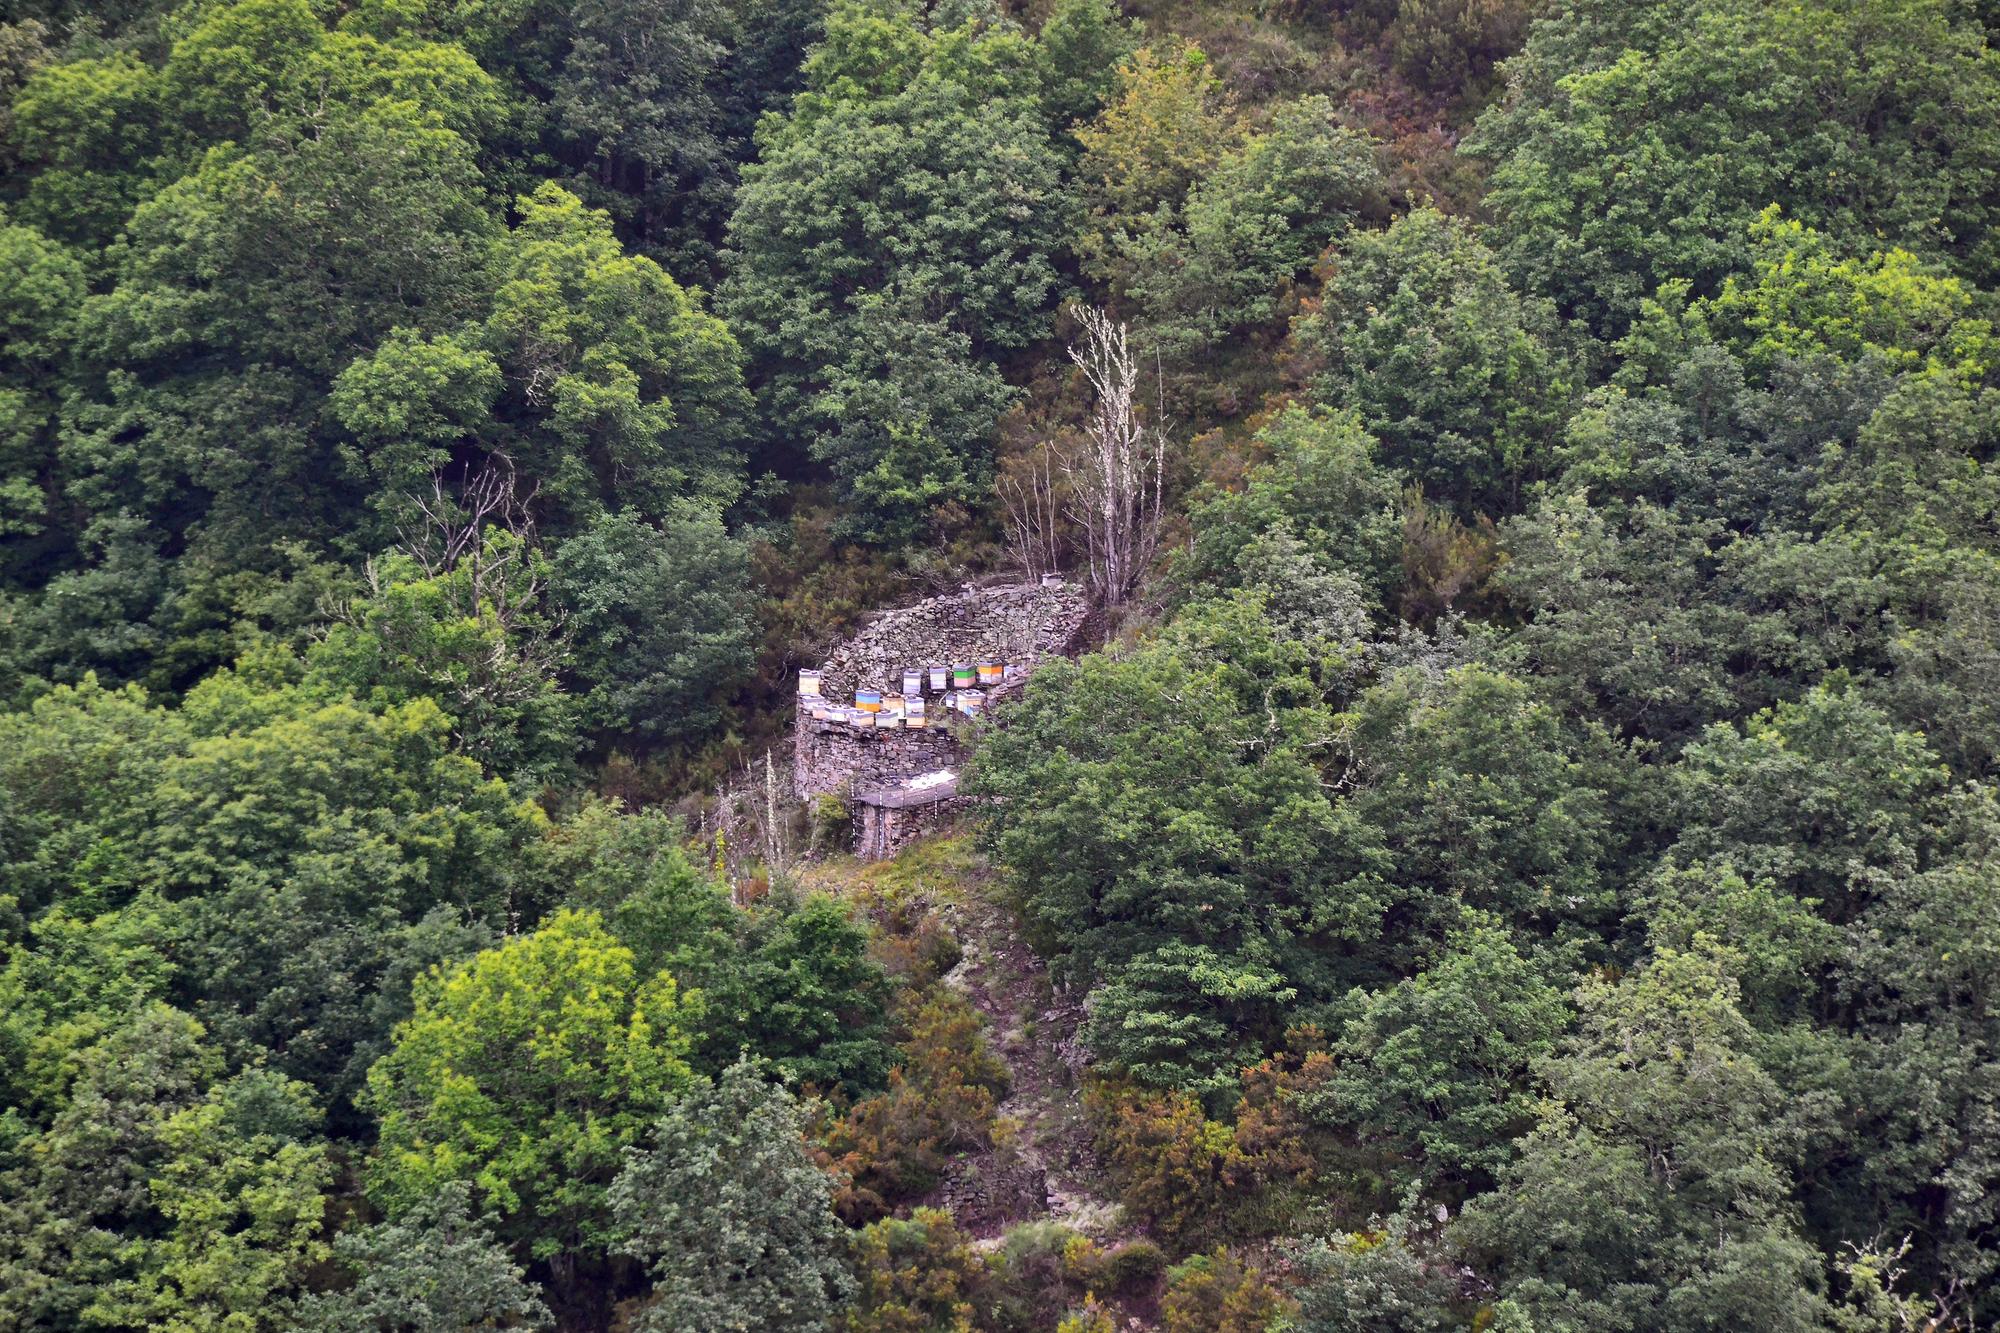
[{"x": 1523, "y": 856}]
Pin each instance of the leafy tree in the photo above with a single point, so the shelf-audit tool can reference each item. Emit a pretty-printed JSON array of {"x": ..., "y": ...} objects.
[
  {"x": 42, "y": 285},
  {"x": 919, "y": 1272},
  {"x": 1782, "y": 952},
  {"x": 1654, "y": 1192},
  {"x": 1319, "y": 478},
  {"x": 67, "y": 983},
  {"x": 1943, "y": 675},
  {"x": 476, "y": 635},
  {"x": 254, "y": 777},
  {"x": 438, "y": 1270},
  {"x": 1167, "y": 126},
  {"x": 634, "y": 870},
  {"x": 1184, "y": 1017},
  {"x": 279, "y": 778},
  {"x": 99, "y": 620},
  {"x": 801, "y": 992},
  {"x": 1925, "y": 1060},
  {"x": 601, "y": 378},
  {"x": 1377, "y": 1281},
  {"x": 240, "y": 1194},
  {"x": 1251, "y": 225},
  {"x": 1461, "y": 379},
  {"x": 1167, "y": 816},
  {"x": 916, "y": 162},
  {"x": 1802, "y": 298},
  {"x": 1916, "y": 482},
  {"x": 1637, "y": 141},
  {"x": 905, "y": 409},
  {"x": 83, "y": 129},
  {"x": 637, "y": 97},
  {"x": 789, "y": 982},
  {"x": 731, "y": 1216},
  {"x": 79, "y": 768},
  {"x": 1144, "y": 800},
  {"x": 1820, "y": 797},
  {"x": 1474, "y": 793},
  {"x": 160, "y": 1196},
  {"x": 311, "y": 976},
  {"x": 1081, "y": 45},
  {"x": 200, "y": 401},
  {"x": 1435, "y": 1068},
  {"x": 526, "y": 1072},
  {"x": 659, "y": 621}
]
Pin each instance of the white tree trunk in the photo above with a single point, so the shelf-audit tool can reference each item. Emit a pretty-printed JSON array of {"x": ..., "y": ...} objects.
[{"x": 1117, "y": 475}]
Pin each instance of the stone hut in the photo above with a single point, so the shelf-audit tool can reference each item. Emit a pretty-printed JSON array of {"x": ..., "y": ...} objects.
[
  {"x": 897, "y": 751},
  {"x": 888, "y": 818}
]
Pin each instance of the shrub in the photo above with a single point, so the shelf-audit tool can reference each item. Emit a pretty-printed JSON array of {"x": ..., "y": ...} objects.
[
  {"x": 940, "y": 1101},
  {"x": 919, "y": 1275},
  {"x": 832, "y": 820},
  {"x": 1175, "y": 1168},
  {"x": 1219, "y": 1293},
  {"x": 1131, "y": 1266}
]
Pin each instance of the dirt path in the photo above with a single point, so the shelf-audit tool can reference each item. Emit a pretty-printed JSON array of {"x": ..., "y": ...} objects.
[{"x": 1035, "y": 1031}]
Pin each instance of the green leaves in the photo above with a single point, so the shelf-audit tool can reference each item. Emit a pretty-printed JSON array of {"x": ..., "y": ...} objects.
[
  {"x": 1198, "y": 831},
  {"x": 1183, "y": 1017},
  {"x": 241, "y": 1194},
  {"x": 1462, "y": 380},
  {"x": 731, "y": 1216},
  {"x": 1320, "y": 481},
  {"x": 1433, "y": 1070},
  {"x": 1250, "y": 227},
  {"x": 1653, "y": 1192},
  {"x": 1638, "y": 142},
  {"x": 526, "y": 1073},
  {"x": 658, "y": 620},
  {"x": 600, "y": 378},
  {"x": 439, "y": 1270},
  {"x": 162, "y": 1196},
  {"x": 628, "y": 391},
  {"x": 916, "y": 165}
]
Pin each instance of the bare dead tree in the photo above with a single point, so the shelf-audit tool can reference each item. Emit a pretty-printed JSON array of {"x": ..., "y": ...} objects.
[
  {"x": 444, "y": 535},
  {"x": 1117, "y": 474},
  {"x": 478, "y": 548},
  {"x": 1034, "y": 500},
  {"x": 440, "y": 530},
  {"x": 775, "y": 835}
]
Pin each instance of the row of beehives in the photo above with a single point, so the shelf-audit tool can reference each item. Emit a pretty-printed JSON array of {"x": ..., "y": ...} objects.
[{"x": 961, "y": 688}]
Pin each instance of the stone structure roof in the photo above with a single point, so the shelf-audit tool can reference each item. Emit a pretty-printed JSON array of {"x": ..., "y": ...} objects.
[
  {"x": 913, "y": 792},
  {"x": 1018, "y": 623},
  {"x": 903, "y": 779}
]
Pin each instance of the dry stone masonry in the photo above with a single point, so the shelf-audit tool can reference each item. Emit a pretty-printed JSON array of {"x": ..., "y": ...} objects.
[{"x": 896, "y": 752}]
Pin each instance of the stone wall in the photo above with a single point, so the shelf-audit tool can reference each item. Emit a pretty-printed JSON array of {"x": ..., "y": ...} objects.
[
  {"x": 881, "y": 831},
  {"x": 1020, "y": 624},
  {"x": 830, "y": 756}
]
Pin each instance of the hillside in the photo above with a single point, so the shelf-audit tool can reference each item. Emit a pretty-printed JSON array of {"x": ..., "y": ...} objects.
[{"x": 1492, "y": 508}]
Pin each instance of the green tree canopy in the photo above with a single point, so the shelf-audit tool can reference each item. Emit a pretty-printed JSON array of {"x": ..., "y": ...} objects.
[
  {"x": 917, "y": 163},
  {"x": 526, "y": 1072},
  {"x": 438, "y": 1270},
  {"x": 1638, "y": 141},
  {"x": 1463, "y": 380},
  {"x": 659, "y": 619},
  {"x": 1654, "y": 1192},
  {"x": 731, "y": 1216}
]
